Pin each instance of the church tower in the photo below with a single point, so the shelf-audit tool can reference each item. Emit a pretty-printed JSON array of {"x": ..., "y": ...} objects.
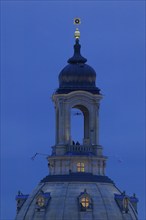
[
  {"x": 77, "y": 187},
  {"x": 77, "y": 89}
]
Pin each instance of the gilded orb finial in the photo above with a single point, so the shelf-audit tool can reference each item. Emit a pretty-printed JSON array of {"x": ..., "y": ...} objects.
[{"x": 77, "y": 21}]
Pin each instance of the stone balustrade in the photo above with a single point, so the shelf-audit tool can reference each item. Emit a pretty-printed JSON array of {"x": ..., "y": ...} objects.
[{"x": 81, "y": 149}]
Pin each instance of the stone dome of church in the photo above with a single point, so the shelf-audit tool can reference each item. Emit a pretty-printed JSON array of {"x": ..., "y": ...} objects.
[
  {"x": 77, "y": 74},
  {"x": 77, "y": 197}
]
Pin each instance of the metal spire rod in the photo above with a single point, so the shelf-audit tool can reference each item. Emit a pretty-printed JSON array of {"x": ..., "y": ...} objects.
[{"x": 77, "y": 21}]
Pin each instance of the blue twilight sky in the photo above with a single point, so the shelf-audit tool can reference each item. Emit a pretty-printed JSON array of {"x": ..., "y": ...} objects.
[{"x": 37, "y": 39}]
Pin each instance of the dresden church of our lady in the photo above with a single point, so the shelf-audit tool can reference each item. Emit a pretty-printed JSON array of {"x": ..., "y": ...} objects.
[{"x": 77, "y": 187}]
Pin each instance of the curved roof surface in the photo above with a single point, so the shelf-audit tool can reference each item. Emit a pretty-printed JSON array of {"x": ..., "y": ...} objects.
[{"x": 63, "y": 201}]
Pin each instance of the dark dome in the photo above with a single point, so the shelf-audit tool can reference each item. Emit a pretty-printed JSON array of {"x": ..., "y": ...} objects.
[
  {"x": 77, "y": 75},
  {"x": 74, "y": 75}
]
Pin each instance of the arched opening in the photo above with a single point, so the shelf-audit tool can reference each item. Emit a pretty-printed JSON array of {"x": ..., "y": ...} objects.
[{"x": 79, "y": 125}]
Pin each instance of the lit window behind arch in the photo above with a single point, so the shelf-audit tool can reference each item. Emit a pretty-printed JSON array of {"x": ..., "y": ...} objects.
[{"x": 80, "y": 167}]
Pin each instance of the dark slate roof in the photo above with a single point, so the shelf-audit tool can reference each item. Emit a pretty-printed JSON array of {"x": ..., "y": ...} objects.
[
  {"x": 77, "y": 177},
  {"x": 77, "y": 75}
]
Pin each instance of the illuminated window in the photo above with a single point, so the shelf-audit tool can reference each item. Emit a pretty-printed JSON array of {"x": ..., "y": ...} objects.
[
  {"x": 40, "y": 201},
  {"x": 125, "y": 204},
  {"x": 80, "y": 167},
  {"x": 85, "y": 202}
]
